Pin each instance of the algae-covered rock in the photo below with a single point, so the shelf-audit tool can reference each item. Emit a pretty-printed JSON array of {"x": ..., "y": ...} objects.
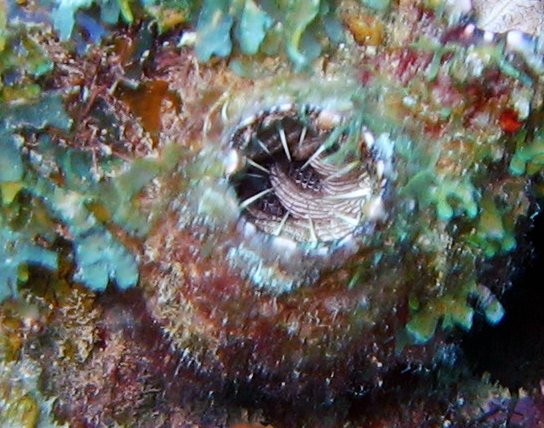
[{"x": 241, "y": 211}]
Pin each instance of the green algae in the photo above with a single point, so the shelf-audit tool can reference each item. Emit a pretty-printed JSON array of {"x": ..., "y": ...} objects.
[
  {"x": 22, "y": 405},
  {"x": 18, "y": 246},
  {"x": 33, "y": 200},
  {"x": 298, "y": 17},
  {"x": 451, "y": 307},
  {"x": 23, "y": 60},
  {"x": 17, "y": 251},
  {"x": 480, "y": 217},
  {"x": 111, "y": 12},
  {"x": 99, "y": 255},
  {"x": 494, "y": 234},
  {"x": 451, "y": 310},
  {"x": 252, "y": 28},
  {"x": 11, "y": 165},
  {"x": 299, "y": 28},
  {"x": 529, "y": 156},
  {"x": 451, "y": 198},
  {"x": 254, "y": 23},
  {"x": 213, "y": 30},
  {"x": 3, "y": 25},
  {"x": 377, "y": 5}
]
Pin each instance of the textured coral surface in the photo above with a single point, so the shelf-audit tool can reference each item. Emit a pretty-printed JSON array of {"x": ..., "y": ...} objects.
[{"x": 240, "y": 213}]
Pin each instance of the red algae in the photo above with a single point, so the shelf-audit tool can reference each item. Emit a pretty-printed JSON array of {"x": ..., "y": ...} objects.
[{"x": 509, "y": 121}]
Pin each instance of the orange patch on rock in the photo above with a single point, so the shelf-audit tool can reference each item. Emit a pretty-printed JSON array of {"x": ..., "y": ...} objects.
[
  {"x": 366, "y": 30},
  {"x": 146, "y": 102},
  {"x": 509, "y": 121}
]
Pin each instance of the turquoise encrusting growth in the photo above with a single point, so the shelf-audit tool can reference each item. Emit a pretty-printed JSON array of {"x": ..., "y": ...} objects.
[
  {"x": 18, "y": 246},
  {"x": 450, "y": 198},
  {"x": 16, "y": 253},
  {"x": 528, "y": 157},
  {"x": 111, "y": 12},
  {"x": 299, "y": 28},
  {"x": 99, "y": 256},
  {"x": 216, "y": 202}
]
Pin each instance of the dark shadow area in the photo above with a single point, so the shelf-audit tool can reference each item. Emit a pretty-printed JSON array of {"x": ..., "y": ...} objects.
[{"x": 513, "y": 351}]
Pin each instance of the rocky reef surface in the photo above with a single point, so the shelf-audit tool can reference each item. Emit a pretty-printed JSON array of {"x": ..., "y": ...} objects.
[{"x": 228, "y": 213}]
